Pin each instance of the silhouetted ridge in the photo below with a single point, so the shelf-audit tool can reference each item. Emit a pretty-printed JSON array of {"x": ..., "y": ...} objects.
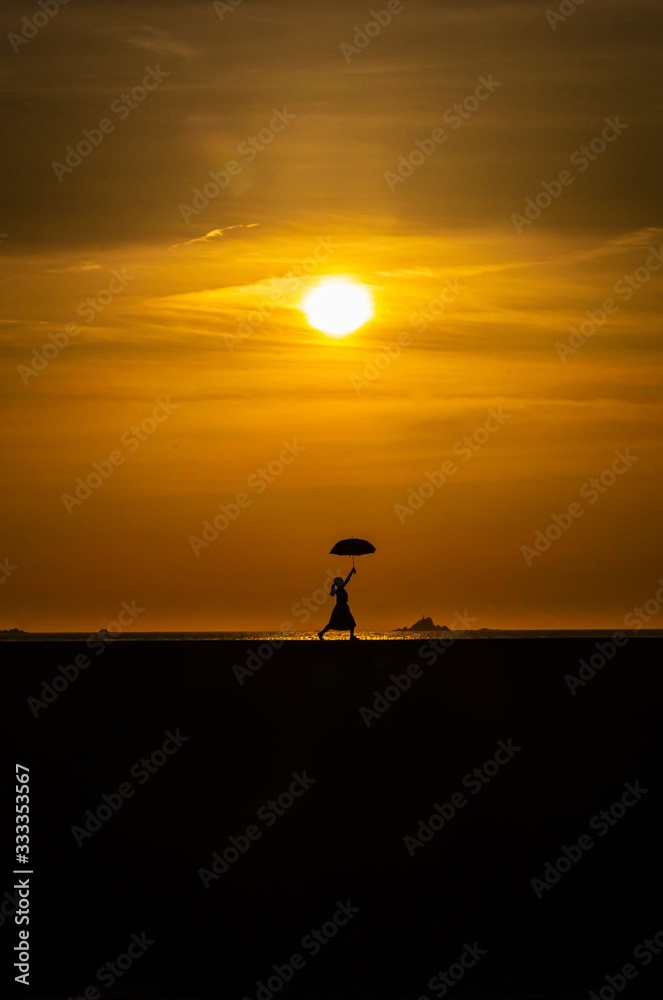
[{"x": 424, "y": 625}]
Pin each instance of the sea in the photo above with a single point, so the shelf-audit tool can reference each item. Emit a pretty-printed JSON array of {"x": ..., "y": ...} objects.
[{"x": 396, "y": 636}]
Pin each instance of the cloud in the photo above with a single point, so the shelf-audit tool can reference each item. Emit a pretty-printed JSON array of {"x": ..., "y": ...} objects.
[
  {"x": 87, "y": 265},
  {"x": 153, "y": 40},
  {"x": 213, "y": 234},
  {"x": 619, "y": 244},
  {"x": 407, "y": 272}
]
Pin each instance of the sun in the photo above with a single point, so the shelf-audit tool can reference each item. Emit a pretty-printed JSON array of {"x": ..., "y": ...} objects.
[{"x": 338, "y": 307}]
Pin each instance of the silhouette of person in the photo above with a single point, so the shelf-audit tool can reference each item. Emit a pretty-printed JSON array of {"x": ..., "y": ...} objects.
[{"x": 341, "y": 617}]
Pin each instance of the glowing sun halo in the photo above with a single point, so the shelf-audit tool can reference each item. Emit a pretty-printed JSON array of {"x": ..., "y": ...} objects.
[{"x": 338, "y": 308}]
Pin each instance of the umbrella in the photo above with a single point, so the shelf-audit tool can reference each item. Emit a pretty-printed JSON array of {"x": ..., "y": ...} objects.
[{"x": 352, "y": 547}]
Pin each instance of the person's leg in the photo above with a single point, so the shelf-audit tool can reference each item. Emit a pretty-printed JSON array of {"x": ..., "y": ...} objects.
[{"x": 325, "y": 629}]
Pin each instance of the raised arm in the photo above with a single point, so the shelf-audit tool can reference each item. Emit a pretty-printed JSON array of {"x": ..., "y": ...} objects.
[{"x": 349, "y": 576}]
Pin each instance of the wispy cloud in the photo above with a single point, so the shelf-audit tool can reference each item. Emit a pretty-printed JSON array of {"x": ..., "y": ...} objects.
[
  {"x": 619, "y": 244},
  {"x": 154, "y": 40},
  {"x": 87, "y": 265},
  {"x": 213, "y": 234},
  {"x": 407, "y": 272}
]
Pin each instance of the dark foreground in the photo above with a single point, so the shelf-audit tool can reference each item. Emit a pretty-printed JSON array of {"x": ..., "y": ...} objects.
[{"x": 517, "y": 886}]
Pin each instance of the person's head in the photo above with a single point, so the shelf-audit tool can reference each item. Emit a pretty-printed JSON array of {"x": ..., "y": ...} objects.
[{"x": 338, "y": 581}]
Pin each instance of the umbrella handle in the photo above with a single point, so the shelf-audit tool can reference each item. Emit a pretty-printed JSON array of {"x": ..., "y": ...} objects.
[{"x": 353, "y": 562}]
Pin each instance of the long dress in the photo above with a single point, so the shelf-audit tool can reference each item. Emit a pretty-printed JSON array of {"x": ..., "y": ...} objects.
[{"x": 341, "y": 617}]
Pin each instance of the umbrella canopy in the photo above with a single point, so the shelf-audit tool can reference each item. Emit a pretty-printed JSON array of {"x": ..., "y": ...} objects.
[{"x": 352, "y": 547}]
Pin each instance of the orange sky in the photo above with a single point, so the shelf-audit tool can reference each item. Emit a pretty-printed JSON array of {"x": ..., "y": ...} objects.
[{"x": 486, "y": 307}]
